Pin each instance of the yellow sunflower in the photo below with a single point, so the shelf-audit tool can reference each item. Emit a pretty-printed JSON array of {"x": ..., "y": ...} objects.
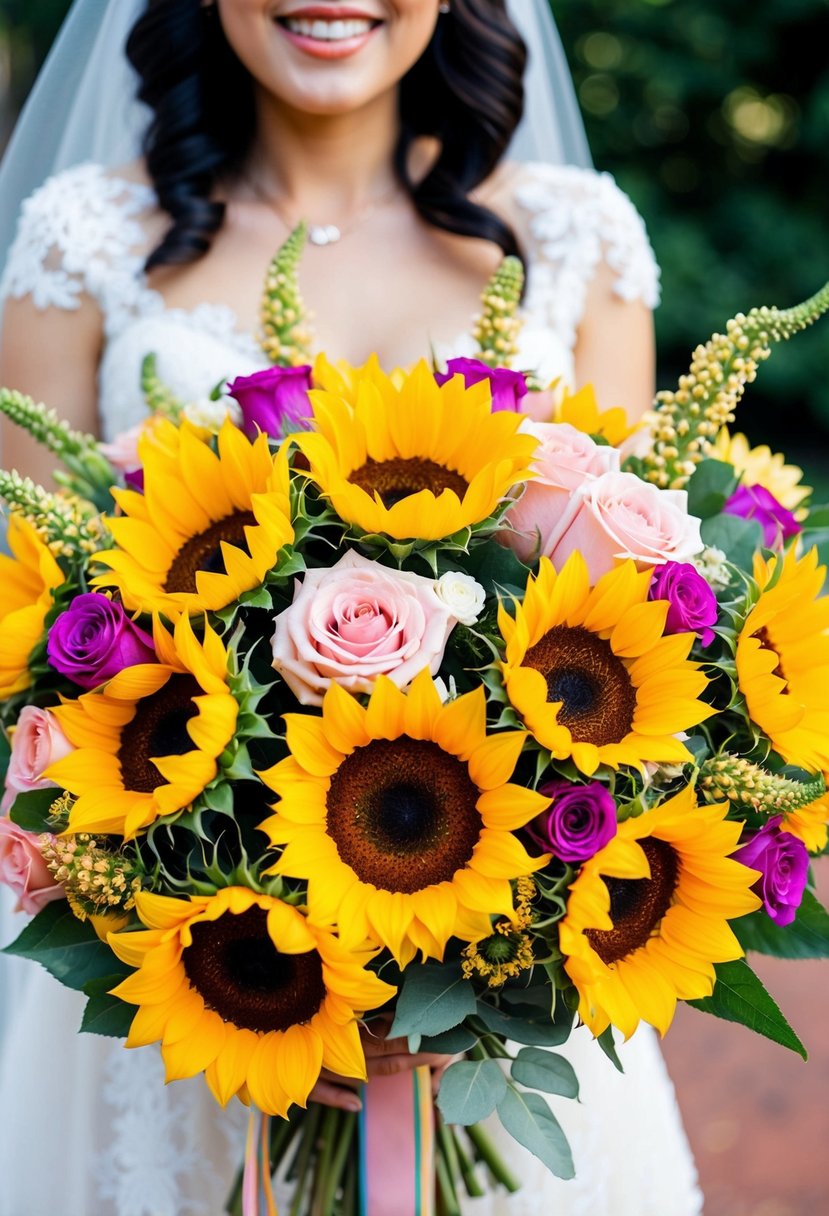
[
  {"x": 811, "y": 823},
  {"x": 242, "y": 987},
  {"x": 582, "y": 411},
  {"x": 400, "y": 816},
  {"x": 208, "y": 527},
  {"x": 149, "y": 743},
  {"x": 648, "y": 915},
  {"x": 591, "y": 674},
  {"x": 420, "y": 461},
  {"x": 761, "y": 467},
  {"x": 343, "y": 379},
  {"x": 783, "y": 659},
  {"x": 28, "y": 580}
]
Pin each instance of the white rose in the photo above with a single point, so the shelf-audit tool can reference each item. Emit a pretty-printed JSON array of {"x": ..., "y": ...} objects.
[
  {"x": 210, "y": 415},
  {"x": 462, "y": 595}
]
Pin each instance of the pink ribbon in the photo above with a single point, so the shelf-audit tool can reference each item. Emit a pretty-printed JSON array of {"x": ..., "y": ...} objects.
[{"x": 397, "y": 1146}]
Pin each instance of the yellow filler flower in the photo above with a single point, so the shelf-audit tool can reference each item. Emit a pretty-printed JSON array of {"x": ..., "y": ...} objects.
[
  {"x": 400, "y": 817},
  {"x": 209, "y": 526},
  {"x": 783, "y": 659},
  {"x": 28, "y": 580},
  {"x": 244, "y": 988},
  {"x": 591, "y": 674},
  {"x": 761, "y": 467},
  {"x": 648, "y": 915},
  {"x": 149, "y": 743},
  {"x": 420, "y": 461}
]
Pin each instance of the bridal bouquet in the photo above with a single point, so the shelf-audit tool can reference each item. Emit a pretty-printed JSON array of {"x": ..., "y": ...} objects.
[{"x": 424, "y": 698}]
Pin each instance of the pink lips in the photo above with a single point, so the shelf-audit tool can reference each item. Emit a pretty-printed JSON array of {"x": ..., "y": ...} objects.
[{"x": 328, "y": 50}]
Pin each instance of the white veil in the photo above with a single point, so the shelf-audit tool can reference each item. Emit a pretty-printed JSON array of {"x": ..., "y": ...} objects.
[{"x": 83, "y": 105}]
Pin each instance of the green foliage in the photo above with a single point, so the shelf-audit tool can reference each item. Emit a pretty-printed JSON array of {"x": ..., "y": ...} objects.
[
  {"x": 529, "y": 1120},
  {"x": 806, "y": 937},
  {"x": 539, "y": 1069},
  {"x": 739, "y": 996},
  {"x": 470, "y": 1090},
  {"x": 434, "y": 998},
  {"x": 68, "y": 948}
]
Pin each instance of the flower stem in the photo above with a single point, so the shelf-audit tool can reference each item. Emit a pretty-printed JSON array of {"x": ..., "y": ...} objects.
[
  {"x": 446, "y": 1187},
  {"x": 322, "y": 1169},
  {"x": 299, "y": 1167},
  {"x": 467, "y": 1167},
  {"x": 485, "y": 1151},
  {"x": 344, "y": 1138}
]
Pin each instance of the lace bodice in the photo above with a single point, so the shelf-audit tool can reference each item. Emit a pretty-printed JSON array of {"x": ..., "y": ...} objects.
[{"x": 81, "y": 235}]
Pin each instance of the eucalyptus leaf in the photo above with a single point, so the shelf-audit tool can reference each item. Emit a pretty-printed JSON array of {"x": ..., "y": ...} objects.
[
  {"x": 739, "y": 996},
  {"x": 68, "y": 948},
  {"x": 806, "y": 937},
  {"x": 710, "y": 487},
  {"x": 470, "y": 1090},
  {"x": 545, "y": 1070},
  {"x": 434, "y": 998},
  {"x": 527, "y": 1024},
  {"x": 738, "y": 538},
  {"x": 529, "y": 1120},
  {"x": 451, "y": 1042}
]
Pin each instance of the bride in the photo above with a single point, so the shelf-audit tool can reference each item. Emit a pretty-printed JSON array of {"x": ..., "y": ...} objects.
[{"x": 389, "y": 125}]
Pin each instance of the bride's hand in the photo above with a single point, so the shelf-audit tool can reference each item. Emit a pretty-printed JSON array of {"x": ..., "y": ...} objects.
[{"x": 384, "y": 1058}]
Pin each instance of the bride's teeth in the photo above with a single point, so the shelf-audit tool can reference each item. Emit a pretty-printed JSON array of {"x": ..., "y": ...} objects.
[{"x": 328, "y": 31}]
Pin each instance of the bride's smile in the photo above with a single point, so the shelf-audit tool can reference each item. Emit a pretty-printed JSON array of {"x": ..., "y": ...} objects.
[{"x": 328, "y": 33}]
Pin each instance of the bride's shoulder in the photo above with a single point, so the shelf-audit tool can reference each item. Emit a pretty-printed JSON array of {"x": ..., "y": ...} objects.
[{"x": 572, "y": 220}]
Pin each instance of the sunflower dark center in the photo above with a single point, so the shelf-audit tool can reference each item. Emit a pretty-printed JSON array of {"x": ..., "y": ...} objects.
[
  {"x": 240, "y": 974},
  {"x": 762, "y": 636},
  {"x": 500, "y": 947},
  {"x": 204, "y": 551},
  {"x": 159, "y": 728},
  {"x": 637, "y": 905},
  {"x": 397, "y": 479},
  {"x": 403, "y": 814},
  {"x": 594, "y": 688}
]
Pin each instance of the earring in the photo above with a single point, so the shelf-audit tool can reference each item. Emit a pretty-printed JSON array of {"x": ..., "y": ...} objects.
[{"x": 444, "y": 8}]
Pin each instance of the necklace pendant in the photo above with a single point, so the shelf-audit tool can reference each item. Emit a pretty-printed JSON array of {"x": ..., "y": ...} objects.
[{"x": 324, "y": 234}]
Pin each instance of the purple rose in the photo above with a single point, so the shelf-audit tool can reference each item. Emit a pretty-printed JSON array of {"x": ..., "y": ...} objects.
[
  {"x": 783, "y": 862},
  {"x": 507, "y": 387},
  {"x": 693, "y": 605},
  {"x": 274, "y": 400},
  {"x": 94, "y": 639},
  {"x": 755, "y": 502},
  {"x": 580, "y": 820},
  {"x": 134, "y": 480}
]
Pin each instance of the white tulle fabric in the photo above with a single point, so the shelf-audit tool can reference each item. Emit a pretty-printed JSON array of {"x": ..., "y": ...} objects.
[{"x": 88, "y": 1127}]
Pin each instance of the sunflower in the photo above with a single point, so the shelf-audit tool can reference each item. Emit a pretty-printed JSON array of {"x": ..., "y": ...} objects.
[
  {"x": 400, "y": 816},
  {"x": 343, "y": 379},
  {"x": 582, "y": 411},
  {"x": 28, "y": 579},
  {"x": 420, "y": 461},
  {"x": 761, "y": 467},
  {"x": 648, "y": 915},
  {"x": 783, "y": 659},
  {"x": 242, "y": 987},
  {"x": 811, "y": 823},
  {"x": 149, "y": 743},
  {"x": 209, "y": 526},
  {"x": 591, "y": 674}
]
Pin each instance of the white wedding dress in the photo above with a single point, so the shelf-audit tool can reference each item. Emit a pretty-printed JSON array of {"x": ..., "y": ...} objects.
[{"x": 86, "y": 1127}]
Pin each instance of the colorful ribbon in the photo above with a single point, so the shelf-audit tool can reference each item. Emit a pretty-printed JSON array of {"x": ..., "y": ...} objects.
[
  {"x": 397, "y": 1133},
  {"x": 257, "y": 1190}
]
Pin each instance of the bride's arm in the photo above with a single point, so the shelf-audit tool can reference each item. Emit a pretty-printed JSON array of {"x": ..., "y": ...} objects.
[
  {"x": 615, "y": 351},
  {"x": 52, "y": 355}
]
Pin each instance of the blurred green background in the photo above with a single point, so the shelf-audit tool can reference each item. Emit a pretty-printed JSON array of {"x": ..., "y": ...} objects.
[{"x": 714, "y": 117}]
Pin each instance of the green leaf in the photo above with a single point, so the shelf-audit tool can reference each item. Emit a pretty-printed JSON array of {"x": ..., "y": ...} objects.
[
  {"x": 529, "y": 1120},
  {"x": 494, "y": 565},
  {"x": 738, "y": 538},
  {"x": 525, "y": 1024},
  {"x": 68, "y": 948},
  {"x": 545, "y": 1070},
  {"x": 5, "y": 755},
  {"x": 433, "y": 999},
  {"x": 709, "y": 488},
  {"x": 739, "y": 996},
  {"x": 608, "y": 1046},
  {"x": 806, "y": 937},
  {"x": 105, "y": 1014},
  {"x": 470, "y": 1090},
  {"x": 30, "y": 811},
  {"x": 451, "y": 1042}
]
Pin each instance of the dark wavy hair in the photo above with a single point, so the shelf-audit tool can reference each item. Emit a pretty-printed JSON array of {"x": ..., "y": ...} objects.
[{"x": 466, "y": 90}]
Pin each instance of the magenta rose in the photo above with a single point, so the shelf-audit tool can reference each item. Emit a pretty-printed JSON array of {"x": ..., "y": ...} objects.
[
  {"x": 580, "y": 820},
  {"x": 507, "y": 387},
  {"x": 23, "y": 869},
  {"x": 37, "y": 742},
  {"x": 356, "y": 621},
  {"x": 783, "y": 862},
  {"x": 693, "y": 605},
  {"x": 756, "y": 502},
  {"x": 94, "y": 639},
  {"x": 564, "y": 460},
  {"x": 274, "y": 400}
]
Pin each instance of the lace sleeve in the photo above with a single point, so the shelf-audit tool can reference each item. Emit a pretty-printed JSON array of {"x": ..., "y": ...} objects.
[
  {"x": 574, "y": 220},
  {"x": 78, "y": 234}
]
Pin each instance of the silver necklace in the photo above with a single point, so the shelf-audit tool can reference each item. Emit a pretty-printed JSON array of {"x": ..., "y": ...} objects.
[{"x": 326, "y": 234}]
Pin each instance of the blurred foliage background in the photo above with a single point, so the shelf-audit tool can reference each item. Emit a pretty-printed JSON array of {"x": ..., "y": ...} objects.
[{"x": 714, "y": 117}]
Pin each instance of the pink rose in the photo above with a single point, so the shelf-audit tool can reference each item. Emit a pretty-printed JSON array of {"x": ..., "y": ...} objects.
[
  {"x": 356, "y": 621},
  {"x": 122, "y": 453},
  {"x": 619, "y": 516},
  {"x": 37, "y": 742},
  {"x": 23, "y": 869},
  {"x": 565, "y": 459}
]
